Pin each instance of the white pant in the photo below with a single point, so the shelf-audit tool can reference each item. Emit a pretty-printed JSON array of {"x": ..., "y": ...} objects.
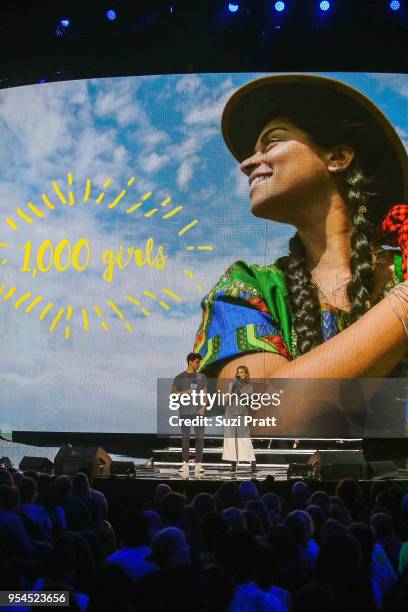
[{"x": 238, "y": 449}]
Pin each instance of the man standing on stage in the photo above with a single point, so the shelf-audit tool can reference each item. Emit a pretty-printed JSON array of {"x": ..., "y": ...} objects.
[{"x": 186, "y": 383}]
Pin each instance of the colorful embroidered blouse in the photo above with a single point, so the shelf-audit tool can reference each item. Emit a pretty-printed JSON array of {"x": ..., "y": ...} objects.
[{"x": 247, "y": 311}]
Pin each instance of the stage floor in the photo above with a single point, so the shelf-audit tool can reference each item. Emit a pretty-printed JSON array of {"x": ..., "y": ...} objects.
[
  {"x": 164, "y": 464},
  {"x": 214, "y": 473}
]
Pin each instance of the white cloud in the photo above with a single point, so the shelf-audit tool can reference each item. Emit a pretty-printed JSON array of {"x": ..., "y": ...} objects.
[
  {"x": 185, "y": 172},
  {"x": 209, "y": 112},
  {"x": 149, "y": 137},
  {"x": 188, "y": 83},
  {"x": 398, "y": 83},
  {"x": 206, "y": 114},
  {"x": 23, "y": 117},
  {"x": 118, "y": 100},
  {"x": 153, "y": 161}
]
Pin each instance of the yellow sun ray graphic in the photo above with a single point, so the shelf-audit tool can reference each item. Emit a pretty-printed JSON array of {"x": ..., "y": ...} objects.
[
  {"x": 4, "y": 261},
  {"x": 151, "y": 213},
  {"x": 173, "y": 295},
  {"x": 191, "y": 276},
  {"x": 47, "y": 202},
  {"x": 143, "y": 310},
  {"x": 68, "y": 317},
  {"x": 33, "y": 304},
  {"x": 33, "y": 213},
  {"x": 100, "y": 315},
  {"x": 102, "y": 194},
  {"x": 187, "y": 227},
  {"x": 150, "y": 294},
  {"x": 173, "y": 212},
  {"x": 57, "y": 319},
  {"x": 12, "y": 223},
  {"x": 120, "y": 314},
  {"x": 46, "y": 311},
  {"x": 35, "y": 210},
  {"x": 85, "y": 319},
  {"x": 59, "y": 192},
  {"x": 88, "y": 188},
  {"x": 10, "y": 293},
  {"x": 118, "y": 198},
  {"x": 23, "y": 299},
  {"x": 135, "y": 207},
  {"x": 24, "y": 216},
  {"x": 202, "y": 247}
]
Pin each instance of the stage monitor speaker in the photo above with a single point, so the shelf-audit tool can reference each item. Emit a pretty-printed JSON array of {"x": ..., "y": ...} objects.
[
  {"x": 92, "y": 460},
  {"x": 335, "y": 465},
  {"x": 38, "y": 464},
  {"x": 122, "y": 468},
  {"x": 379, "y": 470}
]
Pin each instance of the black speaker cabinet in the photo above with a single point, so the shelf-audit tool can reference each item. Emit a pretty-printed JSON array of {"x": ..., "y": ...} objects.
[
  {"x": 335, "y": 465},
  {"x": 92, "y": 460},
  {"x": 38, "y": 464},
  {"x": 379, "y": 470},
  {"x": 122, "y": 468}
]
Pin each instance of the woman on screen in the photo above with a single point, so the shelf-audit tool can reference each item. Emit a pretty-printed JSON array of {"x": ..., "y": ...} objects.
[
  {"x": 237, "y": 440},
  {"x": 320, "y": 156}
]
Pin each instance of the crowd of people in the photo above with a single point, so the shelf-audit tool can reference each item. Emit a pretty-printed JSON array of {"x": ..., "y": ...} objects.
[{"x": 243, "y": 548}]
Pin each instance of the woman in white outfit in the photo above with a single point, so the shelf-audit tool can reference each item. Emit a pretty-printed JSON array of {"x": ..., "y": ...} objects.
[{"x": 237, "y": 440}]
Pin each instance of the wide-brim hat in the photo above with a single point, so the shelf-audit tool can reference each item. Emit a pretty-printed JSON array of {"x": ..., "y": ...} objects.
[{"x": 252, "y": 106}]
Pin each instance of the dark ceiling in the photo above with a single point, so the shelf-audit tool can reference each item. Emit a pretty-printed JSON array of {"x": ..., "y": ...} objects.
[{"x": 172, "y": 36}]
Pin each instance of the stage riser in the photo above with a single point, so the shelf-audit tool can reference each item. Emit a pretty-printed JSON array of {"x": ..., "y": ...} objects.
[
  {"x": 225, "y": 465},
  {"x": 172, "y": 456},
  {"x": 282, "y": 444}
]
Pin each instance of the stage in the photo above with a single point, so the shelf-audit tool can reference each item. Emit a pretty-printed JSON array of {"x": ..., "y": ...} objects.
[
  {"x": 158, "y": 459},
  {"x": 212, "y": 473},
  {"x": 341, "y": 458}
]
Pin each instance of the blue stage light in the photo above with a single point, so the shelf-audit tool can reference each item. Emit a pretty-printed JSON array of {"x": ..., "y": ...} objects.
[
  {"x": 64, "y": 22},
  {"x": 233, "y": 7},
  {"x": 395, "y": 5},
  {"x": 279, "y": 6},
  {"x": 111, "y": 15},
  {"x": 324, "y": 5}
]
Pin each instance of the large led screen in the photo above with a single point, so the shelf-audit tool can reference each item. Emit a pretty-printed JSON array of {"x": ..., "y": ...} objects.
[{"x": 121, "y": 208}]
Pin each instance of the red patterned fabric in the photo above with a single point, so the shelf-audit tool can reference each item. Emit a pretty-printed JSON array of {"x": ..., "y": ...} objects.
[{"x": 395, "y": 228}]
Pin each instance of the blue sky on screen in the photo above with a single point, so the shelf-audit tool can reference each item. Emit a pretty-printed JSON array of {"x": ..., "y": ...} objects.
[{"x": 164, "y": 130}]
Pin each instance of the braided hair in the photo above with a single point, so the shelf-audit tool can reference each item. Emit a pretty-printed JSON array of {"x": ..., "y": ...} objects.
[{"x": 365, "y": 200}]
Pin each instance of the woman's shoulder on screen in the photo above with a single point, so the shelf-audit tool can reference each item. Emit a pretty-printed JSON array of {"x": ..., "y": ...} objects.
[
  {"x": 242, "y": 273},
  {"x": 261, "y": 365}
]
